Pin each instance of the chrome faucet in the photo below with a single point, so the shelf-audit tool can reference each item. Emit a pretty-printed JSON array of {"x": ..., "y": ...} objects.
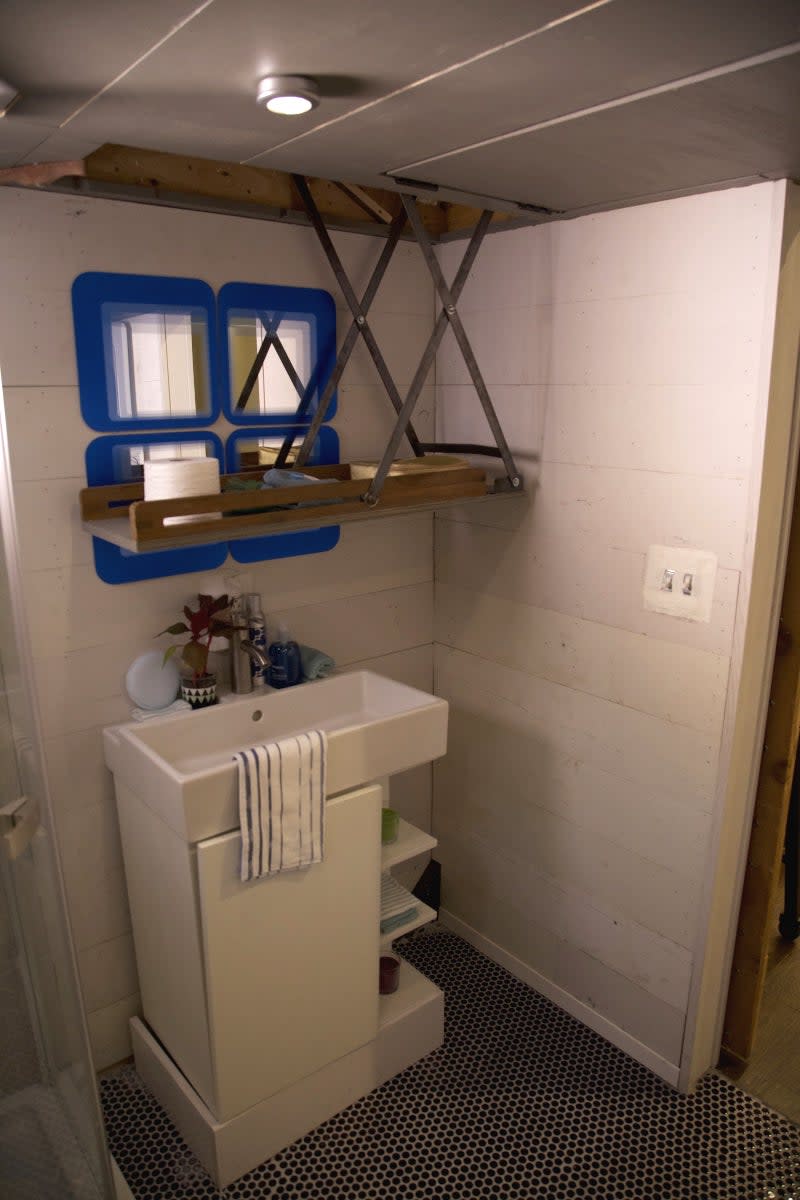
[{"x": 243, "y": 651}]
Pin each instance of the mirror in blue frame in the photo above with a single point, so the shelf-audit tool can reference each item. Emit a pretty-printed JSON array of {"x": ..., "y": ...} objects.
[
  {"x": 121, "y": 460},
  {"x": 146, "y": 351},
  {"x": 256, "y": 449},
  {"x": 277, "y": 349}
]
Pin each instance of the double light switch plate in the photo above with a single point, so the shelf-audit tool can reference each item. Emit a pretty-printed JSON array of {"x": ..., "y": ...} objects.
[{"x": 680, "y": 582}]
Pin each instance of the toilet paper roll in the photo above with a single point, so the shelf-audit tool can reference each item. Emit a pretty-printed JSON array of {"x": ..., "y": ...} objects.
[{"x": 175, "y": 478}]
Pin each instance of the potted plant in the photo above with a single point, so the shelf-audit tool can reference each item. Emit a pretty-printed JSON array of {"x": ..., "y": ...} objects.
[{"x": 203, "y": 624}]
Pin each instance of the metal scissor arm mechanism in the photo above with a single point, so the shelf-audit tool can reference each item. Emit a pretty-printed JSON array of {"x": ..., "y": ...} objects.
[{"x": 404, "y": 407}]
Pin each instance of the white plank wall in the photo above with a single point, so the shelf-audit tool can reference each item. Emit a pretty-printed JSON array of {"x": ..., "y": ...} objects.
[
  {"x": 368, "y": 601},
  {"x": 575, "y": 806}
]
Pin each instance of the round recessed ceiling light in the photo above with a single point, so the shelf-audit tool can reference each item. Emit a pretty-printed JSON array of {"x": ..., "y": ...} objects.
[{"x": 289, "y": 95}]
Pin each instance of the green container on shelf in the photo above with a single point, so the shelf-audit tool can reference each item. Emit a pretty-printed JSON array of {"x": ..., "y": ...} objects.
[{"x": 390, "y": 825}]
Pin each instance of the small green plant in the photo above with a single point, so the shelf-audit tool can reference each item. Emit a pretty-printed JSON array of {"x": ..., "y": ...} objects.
[{"x": 205, "y": 622}]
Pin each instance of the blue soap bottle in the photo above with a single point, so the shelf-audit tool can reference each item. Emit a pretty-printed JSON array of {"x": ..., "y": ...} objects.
[{"x": 284, "y": 658}]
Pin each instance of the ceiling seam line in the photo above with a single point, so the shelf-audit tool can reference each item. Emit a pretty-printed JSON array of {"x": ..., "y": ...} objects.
[
  {"x": 673, "y": 85},
  {"x": 21, "y": 162},
  {"x": 416, "y": 83},
  {"x": 157, "y": 46}
]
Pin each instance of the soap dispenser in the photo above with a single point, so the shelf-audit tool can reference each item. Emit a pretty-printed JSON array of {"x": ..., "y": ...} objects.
[{"x": 284, "y": 658}]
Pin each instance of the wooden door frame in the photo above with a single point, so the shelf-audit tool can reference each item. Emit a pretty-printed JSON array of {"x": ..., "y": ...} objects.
[
  {"x": 748, "y": 774},
  {"x": 763, "y": 868}
]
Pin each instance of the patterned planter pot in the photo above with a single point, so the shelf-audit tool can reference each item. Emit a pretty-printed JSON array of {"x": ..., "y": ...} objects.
[{"x": 200, "y": 693}]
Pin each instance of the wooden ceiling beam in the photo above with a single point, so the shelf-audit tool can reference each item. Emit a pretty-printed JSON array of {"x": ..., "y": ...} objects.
[
  {"x": 242, "y": 184},
  {"x": 155, "y": 171},
  {"x": 134, "y": 167},
  {"x": 462, "y": 218},
  {"x": 366, "y": 201}
]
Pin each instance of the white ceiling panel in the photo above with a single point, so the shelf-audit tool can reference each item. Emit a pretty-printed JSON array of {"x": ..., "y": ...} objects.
[
  {"x": 197, "y": 93},
  {"x": 59, "y": 53},
  {"x": 60, "y": 146},
  {"x": 732, "y": 127},
  {"x": 19, "y": 140},
  {"x": 413, "y": 87},
  {"x": 612, "y": 51}
]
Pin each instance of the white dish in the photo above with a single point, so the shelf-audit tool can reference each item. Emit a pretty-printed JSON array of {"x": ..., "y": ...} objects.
[{"x": 152, "y": 683}]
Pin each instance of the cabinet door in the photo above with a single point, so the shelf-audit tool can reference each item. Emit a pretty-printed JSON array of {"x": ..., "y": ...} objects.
[{"x": 291, "y": 961}]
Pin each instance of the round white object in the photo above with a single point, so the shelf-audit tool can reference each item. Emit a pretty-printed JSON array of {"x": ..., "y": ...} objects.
[
  {"x": 179, "y": 476},
  {"x": 175, "y": 478},
  {"x": 152, "y": 683}
]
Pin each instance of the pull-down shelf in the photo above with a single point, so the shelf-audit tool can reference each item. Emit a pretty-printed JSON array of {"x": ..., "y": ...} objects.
[{"x": 119, "y": 514}]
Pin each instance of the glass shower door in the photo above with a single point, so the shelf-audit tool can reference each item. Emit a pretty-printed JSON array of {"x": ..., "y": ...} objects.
[{"x": 52, "y": 1145}]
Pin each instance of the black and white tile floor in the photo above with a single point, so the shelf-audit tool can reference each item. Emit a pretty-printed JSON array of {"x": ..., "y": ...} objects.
[{"x": 521, "y": 1103}]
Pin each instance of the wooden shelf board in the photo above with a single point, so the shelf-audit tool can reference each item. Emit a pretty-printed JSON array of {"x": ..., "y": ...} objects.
[
  {"x": 215, "y": 185},
  {"x": 117, "y": 530},
  {"x": 409, "y": 843}
]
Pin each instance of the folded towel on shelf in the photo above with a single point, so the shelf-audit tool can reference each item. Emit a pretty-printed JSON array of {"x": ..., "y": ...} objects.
[
  {"x": 389, "y": 924},
  {"x": 277, "y": 477},
  {"x": 397, "y": 904},
  {"x": 232, "y": 484},
  {"x": 282, "y": 804},
  {"x": 315, "y": 664},
  {"x": 273, "y": 478}
]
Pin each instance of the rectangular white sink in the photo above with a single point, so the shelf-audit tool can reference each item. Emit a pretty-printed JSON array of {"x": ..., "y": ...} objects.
[{"x": 182, "y": 765}]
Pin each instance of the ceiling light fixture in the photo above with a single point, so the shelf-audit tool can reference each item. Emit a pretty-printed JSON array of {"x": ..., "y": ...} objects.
[{"x": 289, "y": 95}]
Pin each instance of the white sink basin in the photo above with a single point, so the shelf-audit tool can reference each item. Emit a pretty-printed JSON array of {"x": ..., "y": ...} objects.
[{"x": 182, "y": 765}]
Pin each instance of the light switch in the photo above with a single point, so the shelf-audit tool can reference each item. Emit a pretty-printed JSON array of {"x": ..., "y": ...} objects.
[{"x": 680, "y": 582}]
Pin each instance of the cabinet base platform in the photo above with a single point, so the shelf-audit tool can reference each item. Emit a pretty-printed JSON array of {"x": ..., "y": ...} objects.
[{"x": 411, "y": 1026}]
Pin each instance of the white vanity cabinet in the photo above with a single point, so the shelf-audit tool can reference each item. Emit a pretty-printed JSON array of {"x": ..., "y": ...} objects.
[
  {"x": 300, "y": 992},
  {"x": 253, "y": 986},
  {"x": 261, "y": 1012}
]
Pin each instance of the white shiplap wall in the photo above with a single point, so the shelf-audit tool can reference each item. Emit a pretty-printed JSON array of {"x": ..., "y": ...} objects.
[
  {"x": 625, "y": 352},
  {"x": 369, "y": 601}
]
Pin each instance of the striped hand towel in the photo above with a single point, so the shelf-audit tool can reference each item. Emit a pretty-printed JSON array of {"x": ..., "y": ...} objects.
[
  {"x": 282, "y": 804},
  {"x": 398, "y": 905}
]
